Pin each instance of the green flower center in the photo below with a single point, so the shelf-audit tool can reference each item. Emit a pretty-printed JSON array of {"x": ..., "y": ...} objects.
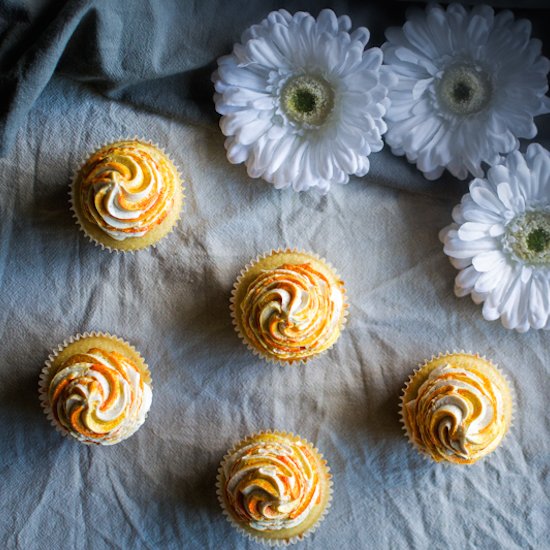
[
  {"x": 303, "y": 101},
  {"x": 538, "y": 240},
  {"x": 464, "y": 89},
  {"x": 307, "y": 100},
  {"x": 528, "y": 237}
]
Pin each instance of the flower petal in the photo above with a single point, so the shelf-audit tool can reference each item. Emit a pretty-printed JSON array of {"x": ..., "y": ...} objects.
[
  {"x": 488, "y": 261},
  {"x": 499, "y": 49},
  {"x": 276, "y": 144}
]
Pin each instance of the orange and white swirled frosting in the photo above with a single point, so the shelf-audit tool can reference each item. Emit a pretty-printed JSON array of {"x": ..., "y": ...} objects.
[
  {"x": 458, "y": 414},
  {"x": 127, "y": 188},
  {"x": 272, "y": 483},
  {"x": 99, "y": 397},
  {"x": 292, "y": 312}
]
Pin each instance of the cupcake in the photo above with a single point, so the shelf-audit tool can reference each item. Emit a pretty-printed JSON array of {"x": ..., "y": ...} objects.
[
  {"x": 288, "y": 306},
  {"x": 127, "y": 195},
  {"x": 96, "y": 388},
  {"x": 456, "y": 408},
  {"x": 274, "y": 487}
]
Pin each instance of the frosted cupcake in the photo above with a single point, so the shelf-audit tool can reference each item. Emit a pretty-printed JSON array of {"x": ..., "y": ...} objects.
[
  {"x": 456, "y": 408},
  {"x": 127, "y": 195},
  {"x": 96, "y": 388},
  {"x": 274, "y": 487},
  {"x": 289, "y": 306}
]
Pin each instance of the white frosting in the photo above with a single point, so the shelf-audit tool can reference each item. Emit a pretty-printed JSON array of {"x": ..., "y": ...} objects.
[
  {"x": 275, "y": 479},
  {"x": 457, "y": 412},
  {"x": 107, "y": 411},
  {"x": 292, "y": 311},
  {"x": 125, "y": 192}
]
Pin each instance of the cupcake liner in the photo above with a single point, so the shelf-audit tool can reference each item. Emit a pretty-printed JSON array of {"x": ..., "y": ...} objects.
[
  {"x": 233, "y": 305},
  {"x": 80, "y": 220},
  {"x": 258, "y": 538},
  {"x": 422, "y": 367},
  {"x": 46, "y": 375}
]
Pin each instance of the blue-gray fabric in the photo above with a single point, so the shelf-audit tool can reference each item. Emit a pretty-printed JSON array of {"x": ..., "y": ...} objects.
[
  {"x": 77, "y": 74},
  {"x": 157, "y": 55}
]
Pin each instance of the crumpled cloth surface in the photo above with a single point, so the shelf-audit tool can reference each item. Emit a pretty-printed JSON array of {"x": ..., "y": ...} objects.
[{"x": 156, "y": 490}]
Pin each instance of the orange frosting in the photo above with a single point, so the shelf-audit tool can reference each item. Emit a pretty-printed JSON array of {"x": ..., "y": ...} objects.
[
  {"x": 127, "y": 188},
  {"x": 292, "y": 312}
]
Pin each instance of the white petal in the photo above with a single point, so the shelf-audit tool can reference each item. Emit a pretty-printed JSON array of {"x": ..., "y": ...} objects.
[
  {"x": 327, "y": 21},
  {"x": 496, "y": 230},
  {"x": 260, "y": 52},
  {"x": 486, "y": 199},
  {"x": 460, "y": 263},
  {"x": 232, "y": 122},
  {"x": 488, "y": 261},
  {"x": 471, "y": 231},
  {"x": 281, "y": 150},
  {"x": 490, "y": 313},
  {"x": 273, "y": 145},
  {"x": 252, "y": 131},
  {"x": 236, "y": 152},
  {"x": 362, "y": 35},
  {"x": 432, "y": 40},
  {"x": 505, "y": 195},
  {"x": 488, "y": 281},
  {"x": 457, "y": 248},
  {"x": 466, "y": 279},
  {"x": 241, "y": 77},
  {"x": 474, "y": 213},
  {"x": 514, "y": 305},
  {"x": 539, "y": 310},
  {"x": 420, "y": 87}
]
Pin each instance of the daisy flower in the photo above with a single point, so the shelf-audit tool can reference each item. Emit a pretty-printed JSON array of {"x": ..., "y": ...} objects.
[
  {"x": 302, "y": 101},
  {"x": 501, "y": 241},
  {"x": 470, "y": 83}
]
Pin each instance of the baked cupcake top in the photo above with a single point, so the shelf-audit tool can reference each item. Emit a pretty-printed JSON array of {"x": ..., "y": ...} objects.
[
  {"x": 292, "y": 311},
  {"x": 99, "y": 396},
  {"x": 457, "y": 408},
  {"x": 272, "y": 482},
  {"x": 127, "y": 188}
]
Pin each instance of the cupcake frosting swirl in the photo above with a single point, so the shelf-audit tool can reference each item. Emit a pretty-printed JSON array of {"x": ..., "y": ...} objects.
[
  {"x": 458, "y": 414},
  {"x": 272, "y": 484},
  {"x": 292, "y": 311},
  {"x": 99, "y": 397},
  {"x": 127, "y": 189}
]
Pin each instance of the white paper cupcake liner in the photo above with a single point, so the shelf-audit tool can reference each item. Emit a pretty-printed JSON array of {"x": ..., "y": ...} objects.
[
  {"x": 233, "y": 305},
  {"x": 79, "y": 219},
  {"x": 46, "y": 377},
  {"x": 426, "y": 455},
  {"x": 263, "y": 539}
]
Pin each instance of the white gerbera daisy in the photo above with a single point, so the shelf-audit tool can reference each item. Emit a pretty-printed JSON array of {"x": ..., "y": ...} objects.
[
  {"x": 501, "y": 241},
  {"x": 470, "y": 83},
  {"x": 302, "y": 101}
]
